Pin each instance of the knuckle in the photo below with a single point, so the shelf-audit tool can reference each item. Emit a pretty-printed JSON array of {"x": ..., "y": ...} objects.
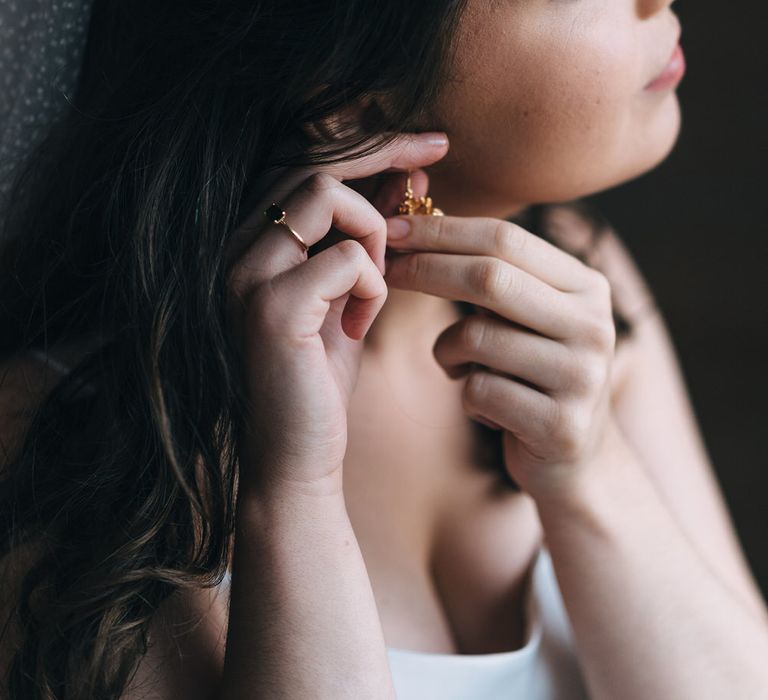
[
  {"x": 508, "y": 240},
  {"x": 490, "y": 278},
  {"x": 599, "y": 287},
  {"x": 585, "y": 372},
  {"x": 594, "y": 374},
  {"x": 570, "y": 429},
  {"x": 320, "y": 182},
  {"x": 475, "y": 387},
  {"x": 432, "y": 228},
  {"x": 414, "y": 267},
  {"x": 378, "y": 222},
  {"x": 600, "y": 332},
  {"x": 264, "y": 309},
  {"x": 350, "y": 250},
  {"x": 238, "y": 281},
  {"x": 472, "y": 334}
]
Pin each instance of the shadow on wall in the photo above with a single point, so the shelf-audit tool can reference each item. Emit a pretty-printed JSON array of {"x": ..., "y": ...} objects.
[{"x": 698, "y": 226}]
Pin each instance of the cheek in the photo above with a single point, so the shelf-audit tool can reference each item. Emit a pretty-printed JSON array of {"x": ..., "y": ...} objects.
[
  {"x": 578, "y": 119},
  {"x": 566, "y": 117},
  {"x": 561, "y": 121}
]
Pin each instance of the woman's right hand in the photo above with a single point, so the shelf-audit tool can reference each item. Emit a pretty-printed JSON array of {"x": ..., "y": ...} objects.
[{"x": 298, "y": 322}]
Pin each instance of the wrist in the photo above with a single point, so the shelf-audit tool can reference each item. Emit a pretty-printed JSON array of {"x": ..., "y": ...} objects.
[
  {"x": 266, "y": 478},
  {"x": 290, "y": 503},
  {"x": 615, "y": 480}
]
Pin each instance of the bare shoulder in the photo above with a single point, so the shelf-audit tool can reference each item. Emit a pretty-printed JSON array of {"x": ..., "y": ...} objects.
[
  {"x": 187, "y": 641},
  {"x": 187, "y": 637}
]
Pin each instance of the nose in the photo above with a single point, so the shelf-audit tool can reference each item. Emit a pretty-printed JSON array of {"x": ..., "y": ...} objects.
[{"x": 648, "y": 8}]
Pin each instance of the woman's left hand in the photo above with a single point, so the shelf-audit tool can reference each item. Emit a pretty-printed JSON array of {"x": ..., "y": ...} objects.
[{"x": 538, "y": 356}]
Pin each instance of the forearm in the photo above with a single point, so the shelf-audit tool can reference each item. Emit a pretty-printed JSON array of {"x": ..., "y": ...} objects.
[
  {"x": 657, "y": 418},
  {"x": 649, "y": 617},
  {"x": 302, "y": 620}
]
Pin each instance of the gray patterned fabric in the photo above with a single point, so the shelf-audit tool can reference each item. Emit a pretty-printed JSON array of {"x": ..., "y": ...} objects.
[{"x": 41, "y": 45}]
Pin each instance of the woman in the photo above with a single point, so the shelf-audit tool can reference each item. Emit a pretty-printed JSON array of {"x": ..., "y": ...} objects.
[{"x": 257, "y": 471}]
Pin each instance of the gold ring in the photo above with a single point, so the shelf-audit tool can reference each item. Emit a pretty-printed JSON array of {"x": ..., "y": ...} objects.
[{"x": 276, "y": 214}]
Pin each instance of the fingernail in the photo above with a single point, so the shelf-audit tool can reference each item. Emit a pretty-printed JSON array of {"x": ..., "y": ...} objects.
[
  {"x": 398, "y": 228},
  {"x": 434, "y": 138}
]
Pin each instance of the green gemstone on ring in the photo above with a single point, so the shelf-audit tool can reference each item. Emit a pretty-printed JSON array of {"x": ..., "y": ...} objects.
[{"x": 274, "y": 213}]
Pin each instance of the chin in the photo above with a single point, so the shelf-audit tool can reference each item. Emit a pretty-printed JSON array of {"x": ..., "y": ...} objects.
[
  {"x": 649, "y": 145},
  {"x": 654, "y": 148},
  {"x": 641, "y": 156}
]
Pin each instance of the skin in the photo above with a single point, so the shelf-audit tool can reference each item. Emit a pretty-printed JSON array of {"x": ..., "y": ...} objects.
[
  {"x": 560, "y": 85},
  {"x": 565, "y": 104},
  {"x": 624, "y": 557},
  {"x": 563, "y": 94}
]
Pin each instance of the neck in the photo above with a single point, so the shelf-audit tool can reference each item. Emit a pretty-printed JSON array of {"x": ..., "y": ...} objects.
[
  {"x": 409, "y": 322},
  {"x": 456, "y": 197}
]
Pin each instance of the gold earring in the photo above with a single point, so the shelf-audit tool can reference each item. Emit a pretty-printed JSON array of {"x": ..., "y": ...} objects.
[{"x": 412, "y": 205}]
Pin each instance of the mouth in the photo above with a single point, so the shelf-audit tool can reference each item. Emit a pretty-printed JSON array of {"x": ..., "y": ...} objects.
[
  {"x": 673, "y": 70},
  {"x": 674, "y": 67}
]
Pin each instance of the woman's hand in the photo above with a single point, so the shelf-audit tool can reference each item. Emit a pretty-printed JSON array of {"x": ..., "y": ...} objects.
[
  {"x": 298, "y": 322},
  {"x": 538, "y": 357}
]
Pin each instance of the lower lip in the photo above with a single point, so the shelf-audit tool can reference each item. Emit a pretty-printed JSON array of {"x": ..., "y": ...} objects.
[{"x": 672, "y": 74}]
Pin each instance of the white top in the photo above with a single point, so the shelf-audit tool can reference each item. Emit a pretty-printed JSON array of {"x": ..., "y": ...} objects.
[{"x": 544, "y": 668}]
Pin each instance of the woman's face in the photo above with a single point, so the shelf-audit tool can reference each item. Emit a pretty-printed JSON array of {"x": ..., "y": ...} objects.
[{"x": 548, "y": 102}]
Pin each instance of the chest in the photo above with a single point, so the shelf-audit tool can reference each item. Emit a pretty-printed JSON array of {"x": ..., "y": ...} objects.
[{"x": 448, "y": 548}]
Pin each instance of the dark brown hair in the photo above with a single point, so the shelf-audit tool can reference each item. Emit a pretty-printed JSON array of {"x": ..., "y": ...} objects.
[{"x": 125, "y": 483}]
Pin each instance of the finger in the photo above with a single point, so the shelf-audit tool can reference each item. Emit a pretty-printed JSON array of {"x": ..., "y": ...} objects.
[
  {"x": 406, "y": 151},
  {"x": 301, "y": 296},
  {"x": 316, "y": 204},
  {"x": 513, "y": 351},
  {"x": 520, "y": 409},
  {"x": 508, "y": 291},
  {"x": 493, "y": 237}
]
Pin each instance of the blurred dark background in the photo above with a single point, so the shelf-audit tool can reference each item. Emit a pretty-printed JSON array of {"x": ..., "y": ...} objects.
[{"x": 697, "y": 227}]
